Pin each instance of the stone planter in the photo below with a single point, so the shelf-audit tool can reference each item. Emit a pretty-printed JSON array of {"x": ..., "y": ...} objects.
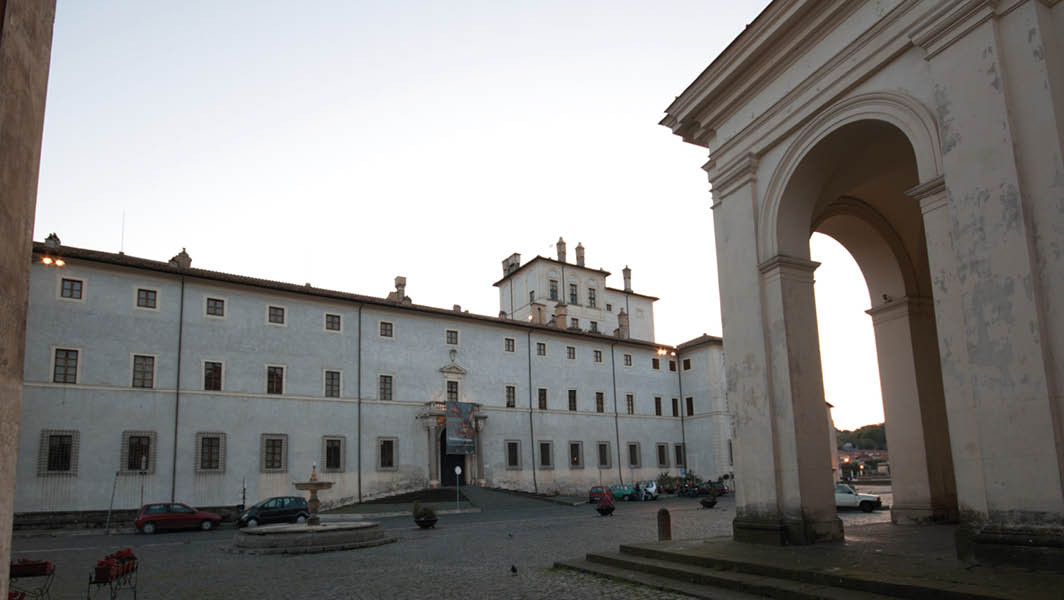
[
  {"x": 605, "y": 510},
  {"x": 708, "y": 502},
  {"x": 425, "y": 523}
]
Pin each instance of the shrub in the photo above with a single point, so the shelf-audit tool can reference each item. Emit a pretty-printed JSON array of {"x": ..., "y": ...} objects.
[{"x": 423, "y": 512}]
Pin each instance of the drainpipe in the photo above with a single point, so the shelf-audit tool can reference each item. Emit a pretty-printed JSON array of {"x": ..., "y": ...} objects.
[
  {"x": 358, "y": 396},
  {"x": 531, "y": 430},
  {"x": 177, "y": 390},
  {"x": 616, "y": 424}
]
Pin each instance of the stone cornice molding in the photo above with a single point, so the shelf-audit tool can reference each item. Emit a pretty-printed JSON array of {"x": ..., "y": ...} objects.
[
  {"x": 949, "y": 22},
  {"x": 789, "y": 267},
  {"x": 897, "y": 308},
  {"x": 931, "y": 194},
  {"x": 906, "y": 113},
  {"x": 731, "y": 177}
]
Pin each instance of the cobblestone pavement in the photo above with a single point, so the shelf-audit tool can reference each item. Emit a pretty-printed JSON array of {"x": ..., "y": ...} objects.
[{"x": 466, "y": 556}]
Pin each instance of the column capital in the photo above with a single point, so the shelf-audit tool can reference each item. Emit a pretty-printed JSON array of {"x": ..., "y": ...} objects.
[
  {"x": 950, "y": 22},
  {"x": 789, "y": 266},
  {"x": 931, "y": 194},
  {"x": 896, "y": 308},
  {"x": 730, "y": 177}
]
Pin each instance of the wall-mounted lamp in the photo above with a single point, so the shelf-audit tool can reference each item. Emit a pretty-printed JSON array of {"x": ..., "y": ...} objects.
[{"x": 58, "y": 262}]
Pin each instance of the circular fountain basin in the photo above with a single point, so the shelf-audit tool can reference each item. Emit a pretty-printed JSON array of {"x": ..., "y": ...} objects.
[{"x": 305, "y": 539}]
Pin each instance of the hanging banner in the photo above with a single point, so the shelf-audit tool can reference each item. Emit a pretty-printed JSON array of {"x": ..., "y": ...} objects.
[{"x": 460, "y": 428}]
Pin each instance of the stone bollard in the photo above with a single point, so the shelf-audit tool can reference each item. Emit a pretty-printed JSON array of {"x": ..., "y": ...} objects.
[{"x": 664, "y": 525}]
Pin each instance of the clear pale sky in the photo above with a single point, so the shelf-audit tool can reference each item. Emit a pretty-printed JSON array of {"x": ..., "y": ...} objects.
[{"x": 344, "y": 143}]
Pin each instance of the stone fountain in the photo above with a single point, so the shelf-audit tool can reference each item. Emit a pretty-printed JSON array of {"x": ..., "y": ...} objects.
[{"x": 313, "y": 536}]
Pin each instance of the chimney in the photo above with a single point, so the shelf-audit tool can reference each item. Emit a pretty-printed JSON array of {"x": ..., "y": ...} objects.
[
  {"x": 623, "y": 330},
  {"x": 537, "y": 315},
  {"x": 52, "y": 241},
  {"x": 579, "y": 254},
  {"x": 457, "y": 308},
  {"x": 511, "y": 264},
  {"x": 561, "y": 316},
  {"x": 627, "y": 278},
  {"x": 399, "y": 295},
  {"x": 561, "y": 249},
  {"x": 181, "y": 260}
]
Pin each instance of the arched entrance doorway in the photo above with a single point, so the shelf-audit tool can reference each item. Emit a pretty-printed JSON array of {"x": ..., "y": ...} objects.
[{"x": 852, "y": 186}]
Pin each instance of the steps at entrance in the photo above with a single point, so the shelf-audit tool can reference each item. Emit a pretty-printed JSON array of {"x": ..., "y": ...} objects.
[
  {"x": 706, "y": 582},
  {"x": 702, "y": 574}
]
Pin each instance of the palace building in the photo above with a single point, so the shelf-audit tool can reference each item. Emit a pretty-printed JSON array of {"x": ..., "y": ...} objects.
[{"x": 155, "y": 380}]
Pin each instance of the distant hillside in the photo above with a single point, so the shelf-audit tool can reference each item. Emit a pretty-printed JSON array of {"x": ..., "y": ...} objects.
[{"x": 869, "y": 437}]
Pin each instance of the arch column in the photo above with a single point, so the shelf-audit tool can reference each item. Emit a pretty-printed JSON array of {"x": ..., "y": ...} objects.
[
  {"x": 807, "y": 492},
  {"x": 910, "y": 378}
]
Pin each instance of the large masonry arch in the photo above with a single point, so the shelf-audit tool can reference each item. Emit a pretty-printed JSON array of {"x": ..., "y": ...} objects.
[{"x": 926, "y": 137}]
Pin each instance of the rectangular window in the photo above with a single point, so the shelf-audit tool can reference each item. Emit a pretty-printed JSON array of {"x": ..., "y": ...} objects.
[
  {"x": 215, "y": 307},
  {"x": 576, "y": 455},
  {"x": 452, "y": 337},
  {"x": 334, "y": 454},
  {"x": 332, "y": 384},
  {"x": 384, "y": 387},
  {"x": 629, "y": 403},
  {"x": 333, "y": 322},
  {"x": 572, "y": 400},
  {"x": 66, "y": 366},
  {"x": 138, "y": 452},
  {"x": 655, "y": 363},
  {"x": 452, "y": 391},
  {"x": 609, "y": 307},
  {"x": 274, "y": 380},
  {"x": 594, "y": 326},
  {"x": 546, "y": 455},
  {"x": 574, "y": 323},
  {"x": 657, "y": 406},
  {"x": 687, "y": 364},
  {"x": 598, "y": 356},
  {"x": 591, "y": 297},
  {"x": 633, "y": 455},
  {"x": 570, "y": 352},
  {"x": 542, "y": 398},
  {"x": 627, "y": 360},
  {"x": 147, "y": 298},
  {"x": 511, "y": 396},
  {"x": 143, "y": 371},
  {"x": 386, "y": 454},
  {"x": 731, "y": 456},
  {"x": 210, "y": 452},
  {"x": 212, "y": 375},
  {"x": 386, "y": 329},
  {"x": 508, "y": 344},
  {"x": 600, "y": 402},
  {"x": 675, "y": 407},
  {"x": 574, "y": 296},
  {"x": 60, "y": 452},
  {"x": 541, "y": 349},
  {"x": 275, "y": 315},
  {"x": 672, "y": 366},
  {"x": 679, "y": 455},
  {"x": 72, "y": 288},
  {"x": 663, "y": 455},
  {"x": 275, "y": 453},
  {"x": 690, "y": 406},
  {"x": 513, "y": 454},
  {"x": 604, "y": 455},
  {"x": 553, "y": 290}
]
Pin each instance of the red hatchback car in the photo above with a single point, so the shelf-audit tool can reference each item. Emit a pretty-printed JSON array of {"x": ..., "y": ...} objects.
[
  {"x": 597, "y": 492},
  {"x": 173, "y": 515}
]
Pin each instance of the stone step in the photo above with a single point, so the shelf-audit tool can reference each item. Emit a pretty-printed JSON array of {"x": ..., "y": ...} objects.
[
  {"x": 657, "y": 582},
  {"x": 873, "y": 582},
  {"x": 713, "y": 583}
]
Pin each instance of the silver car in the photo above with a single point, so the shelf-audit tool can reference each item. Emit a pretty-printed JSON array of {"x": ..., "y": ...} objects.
[{"x": 650, "y": 489}]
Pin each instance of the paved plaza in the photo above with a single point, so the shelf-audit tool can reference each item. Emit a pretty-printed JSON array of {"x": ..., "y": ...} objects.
[{"x": 468, "y": 555}]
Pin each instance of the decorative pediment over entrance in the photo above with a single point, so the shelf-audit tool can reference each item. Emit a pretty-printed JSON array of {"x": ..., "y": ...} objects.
[{"x": 452, "y": 368}]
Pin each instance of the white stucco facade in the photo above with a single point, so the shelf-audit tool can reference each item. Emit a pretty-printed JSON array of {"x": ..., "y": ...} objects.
[{"x": 208, "y": 330}]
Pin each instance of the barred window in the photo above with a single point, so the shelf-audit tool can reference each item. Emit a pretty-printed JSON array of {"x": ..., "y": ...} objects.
[
  {"x": 452, "y": 391},
  {"x": 604, "y": 455},
  {"x": 679, "y": 455},
  {"x": 598, "y": 356},
  {"x": 629, "y": 403},
  {"x": 452, "y": 337},
  {"x": 513, "y": 455},
  {"x": 675, "y": 407},
  {"x": 593, "y": 327},
  {"x": 384, "y": 387},
  {"x": 541, "y": 349},
  {"x": 334, "y": 453},
  {"x": 509, "y": 344},
  {"x": 332, "y": 322},
  {"x": 627, "y": 360},
  {"x": 274, "y": 452},
  {"x": 690, "y": 406},
  {"x": 274, "y": 380},
  {"x": 553, "y": 289},
  {"x": 511, "y": 396},
  {"x": 216, "y": 307},
  {"x": 672, "y": 365},
  {"x": 657, "y": 405},
  {"x": 386, "y": 458},
  {"x": 143, "y": 371},
  {"x": 655, "y": 363},
  {"x": 146, "y": 298},
  {"x": 600, "y": 402},
  {"x": 687, "y": 364},
  {"x": 633, "y": 455},
  {"x": 60, "y": 452},
  {"x": 576, "y": 455},
  {"x": 591, "y": 297},
  {"x": 574, "y": 296},
  {"x": 212, "y": 375},
  {"x": 72, "y": 288},
  {"x": 572, "y": 400},
  {"x": 276, "y": 315},
  {"x": 663, "y": 455},
  {"x": 139, "y": 452},
  {"x": 574, "y": 323},
  {"x": 546, "y": 455},
  {"x": 543, "y": 398},
  {"x": 332, "y": 384},
  {"x": 386, "y": 329},
  {"x": 570, "y": 352},
  {"x": 210, "y": 453},
  {"x": 66, "y": 366}
]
